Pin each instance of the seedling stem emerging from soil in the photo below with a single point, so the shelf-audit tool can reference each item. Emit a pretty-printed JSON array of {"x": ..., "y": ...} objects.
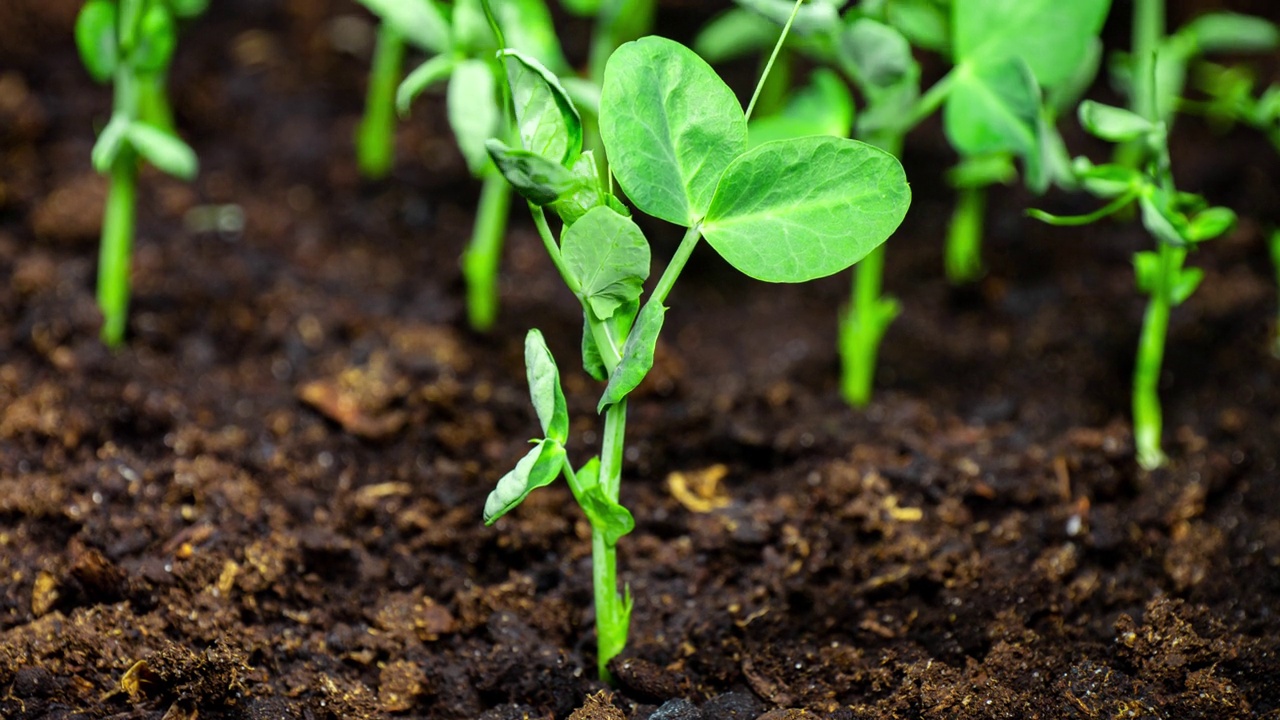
[
  {"x": 1176, "y": 220},
  {"x": 130, "y": 44},
  {"x": 785, "y": 211}
]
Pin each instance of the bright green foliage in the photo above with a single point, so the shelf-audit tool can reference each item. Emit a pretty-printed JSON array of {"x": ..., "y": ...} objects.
[
  {"x": 795, "y": 210},
  {"x": 785, "y": 211},
  {"x": 609, "y": 256},
  {"x": 130, "y": 43},
  {"x": 1176, "y": 220},
  {"x": 681, "y": 125},
  {"x": 546, "y": 119}
]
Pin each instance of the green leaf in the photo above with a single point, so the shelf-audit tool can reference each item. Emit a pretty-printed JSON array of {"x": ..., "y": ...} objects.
[
  {"x": 604, "y": 514},
  {"x": 109, "y": 143},
  {"x": 924, "y": 22},
  {"x": 733, "y": 34},
  {"x": 880, "y": 53},
  {"x": 539, "y": 467},
  {"x": 1209, "y": 224},
  {"x": 608, "y": 255},
  {"x": 794, "y": 210},
  {"x": 1108, "y": 180},
  {"x": 995, "y": 108},
  {"x": 544, "y": 387},
  {"x": 157, "y": 39},
  {"x": 433, "y": 71},
  {"x": 670, "y": 127},
  {"x": 163, "y": 149},
  {"x": 548, "y": 122},
  {"x": 824, "y": 107},
  {"x": 1050, "y": 35},
  {"x": 96, "y": 39},
  {"x": 637, "y": 355},
  {"x": 1064, "y": 95},
  {"x": 419, "y": 21},
  {"x": 1231, "y": 32},
  {"x": 539, "y": 180},
  {"x": 586, "y": 194},
  {"x": 1185, "y": 284},
  {"x": 474, "y": 114},
  {"x": 1112, "y": 123}
]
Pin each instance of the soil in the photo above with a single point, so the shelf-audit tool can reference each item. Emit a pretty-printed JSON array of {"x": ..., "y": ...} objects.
[{"x": 267, "y": 505}]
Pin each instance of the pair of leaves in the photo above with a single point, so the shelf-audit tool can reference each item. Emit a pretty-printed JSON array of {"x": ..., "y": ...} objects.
[
  {"x": 550, "y": 132},
  {"x": 785, "y": 211},
  {"x": 156, "y": 145},
  {"x": 100, "y": 37},
  {"x": 1179, "y": 286},
  {"x": 547, "y": 459}
]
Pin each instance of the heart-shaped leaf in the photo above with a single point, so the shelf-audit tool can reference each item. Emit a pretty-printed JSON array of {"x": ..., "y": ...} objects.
[
  {"x": 794, "y": 210},
  {"x": 670, "y": 126}
]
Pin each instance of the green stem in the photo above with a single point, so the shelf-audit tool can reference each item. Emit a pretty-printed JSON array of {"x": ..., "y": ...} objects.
[
  {"x": 862, "y": 328},
  {"x": 924, "y": 107},
  {"x": 553, "y": 250},
  {"x": 964, "y": 236},
  {"x": 1147, "y": 421},
  {"x": 674, "y": 268},
  {"x": 483, "y": 255},
  {"x": 868, "y": 316},
  {"x": 153, "y": 103},
  {"x": 116, "y": 248},
  {"x": 375, "y": 136},
  {"x": 613, "y": 610},
  {"x": 1148, "y": 33}
]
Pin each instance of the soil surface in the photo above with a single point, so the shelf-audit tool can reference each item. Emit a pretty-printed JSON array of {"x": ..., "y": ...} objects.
[{"x": 267, "y": 505}]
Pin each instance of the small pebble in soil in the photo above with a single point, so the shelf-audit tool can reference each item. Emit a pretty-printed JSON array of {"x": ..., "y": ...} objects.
[
  {"x": 678, "y": 709},
  {"x": 732, "y": 706}
]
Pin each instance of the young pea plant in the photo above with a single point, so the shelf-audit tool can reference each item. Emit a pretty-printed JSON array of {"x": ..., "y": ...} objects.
[
  {"x": 784, "y": 211},
  {"x": 1177, "y": 221},
  {"x": 130, "y": 43},
  {"x": 1004, "y": 54}
]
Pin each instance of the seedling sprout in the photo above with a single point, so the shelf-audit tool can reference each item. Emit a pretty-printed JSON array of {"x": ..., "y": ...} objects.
[
  {"x": 784, "y": 211},
  {"x": 130, "y": 43},
  {"x": 1177, "y": 221}
]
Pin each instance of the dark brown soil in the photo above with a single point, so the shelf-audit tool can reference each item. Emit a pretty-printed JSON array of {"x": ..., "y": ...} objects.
[{"x": 268, "y": 504}]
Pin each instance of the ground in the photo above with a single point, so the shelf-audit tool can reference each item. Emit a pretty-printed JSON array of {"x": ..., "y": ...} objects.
[{"x": 267, "y": 504}]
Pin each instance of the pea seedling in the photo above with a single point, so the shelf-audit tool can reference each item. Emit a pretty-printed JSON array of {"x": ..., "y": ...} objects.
[
  {"x": 130, "y": 44},
  {"x": 1176, "y": 220},
  {"x": 1004, "y": 52},
  {"x": 783, "y": 211}
]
